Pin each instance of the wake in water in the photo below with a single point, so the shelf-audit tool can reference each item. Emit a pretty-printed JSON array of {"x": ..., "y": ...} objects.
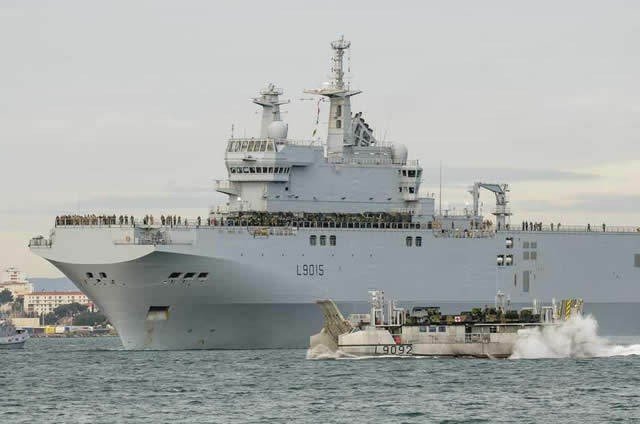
[
  {"x": 323, "y": 352},
  {"x": 574, "y": 338}
]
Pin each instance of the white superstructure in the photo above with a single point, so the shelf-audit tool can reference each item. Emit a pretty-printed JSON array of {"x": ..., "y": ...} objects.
[{"x": 306, "y": 220}]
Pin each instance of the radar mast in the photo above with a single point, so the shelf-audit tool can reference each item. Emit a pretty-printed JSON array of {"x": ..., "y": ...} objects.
[
  {"x": 270, "y": 101},
  {"x": 340, "y": 133}
]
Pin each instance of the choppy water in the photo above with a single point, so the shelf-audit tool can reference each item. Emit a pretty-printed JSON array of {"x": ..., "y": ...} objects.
[{"x": 93, "y": 380}]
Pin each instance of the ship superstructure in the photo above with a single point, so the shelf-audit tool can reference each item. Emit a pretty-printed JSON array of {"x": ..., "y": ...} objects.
[{"x": 307, "y": 220}]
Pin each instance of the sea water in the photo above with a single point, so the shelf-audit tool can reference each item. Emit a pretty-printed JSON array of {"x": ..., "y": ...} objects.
[{"x": 570, "y": 374}]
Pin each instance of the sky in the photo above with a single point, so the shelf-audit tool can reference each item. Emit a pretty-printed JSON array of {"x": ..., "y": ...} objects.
[{"x": 126, "y": 107}]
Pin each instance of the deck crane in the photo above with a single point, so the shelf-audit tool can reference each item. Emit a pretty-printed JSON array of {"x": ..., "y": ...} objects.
[{"x": 501, "y": 211}]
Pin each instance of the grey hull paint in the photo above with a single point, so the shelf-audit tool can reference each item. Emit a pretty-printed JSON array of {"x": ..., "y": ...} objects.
[{"x": 256, "y": 294}]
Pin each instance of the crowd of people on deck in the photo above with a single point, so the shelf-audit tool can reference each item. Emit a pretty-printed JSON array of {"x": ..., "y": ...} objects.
[
  {"x": 93, "y": 220},
  {"x": 274, "y": 219}
]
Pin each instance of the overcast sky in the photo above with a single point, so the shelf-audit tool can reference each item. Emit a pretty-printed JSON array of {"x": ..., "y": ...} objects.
[{"x": 126, "y": 106}]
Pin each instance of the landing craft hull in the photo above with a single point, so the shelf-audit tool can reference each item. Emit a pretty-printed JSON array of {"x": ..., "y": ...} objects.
[{"x": 258, "y": 291}]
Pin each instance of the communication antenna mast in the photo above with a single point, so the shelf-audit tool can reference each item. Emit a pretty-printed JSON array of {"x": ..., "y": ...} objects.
[{"x": 339, "y": 46}]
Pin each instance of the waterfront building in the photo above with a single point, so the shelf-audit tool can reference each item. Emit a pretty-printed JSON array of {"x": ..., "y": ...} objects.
[
  {"x": 46, "y": 301},
  {"x": 16, "y": 282}
]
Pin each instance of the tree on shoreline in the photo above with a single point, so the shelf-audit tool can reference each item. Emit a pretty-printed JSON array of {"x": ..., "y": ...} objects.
[
  {"x": 89, "y": 318},
  {"x": 5, "y": 297}
]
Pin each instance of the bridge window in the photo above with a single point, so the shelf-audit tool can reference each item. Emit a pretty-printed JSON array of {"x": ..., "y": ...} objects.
[
  {"x": 323, "y": 240},
  {"x": 270, "y": 146},
  {"x": 404, "y": 172},
  {"x": 264, "y": 170},
  {"x": 418, "y": 241},
  {"x": 339, "y": 110},
  {"x": 412, "y": 189},
  {"x": 409, "y": 241},
  {"x": 412, "y": 173},
  {"x": 233, "y": 170},
  {"x": 245, "y": 143},
  {"x": 263, "y": 146},
  {"x": 338, "y": 123},
  {"x": 259, "y": 170},
  {"x": 271, "y": 170},
  {"x": 312, "y": 240},
  {"x": 332, "y": 240},
  {"x": 246, "y": 170}
]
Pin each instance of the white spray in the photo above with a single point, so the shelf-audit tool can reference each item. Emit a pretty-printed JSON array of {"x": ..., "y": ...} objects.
[{"x": 575, "y": 338}]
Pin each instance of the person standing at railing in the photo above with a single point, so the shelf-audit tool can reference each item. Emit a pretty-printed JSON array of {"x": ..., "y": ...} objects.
[
  {"x": 604, "y": 228},
  {"x": 588, "y": 227},
  {"x": 199, "y": 221}
]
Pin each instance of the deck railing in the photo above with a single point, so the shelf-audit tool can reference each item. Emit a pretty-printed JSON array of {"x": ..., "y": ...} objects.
[{"x": 191, "y": 223}]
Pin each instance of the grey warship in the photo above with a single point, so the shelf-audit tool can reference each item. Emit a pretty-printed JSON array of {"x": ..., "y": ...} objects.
[{"x": 310, "y": 219}]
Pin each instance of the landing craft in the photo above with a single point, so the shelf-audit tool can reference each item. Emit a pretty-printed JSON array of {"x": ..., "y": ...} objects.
[
  {"x": 425, "y": 331},
  {"x": 350, "y": 211}
]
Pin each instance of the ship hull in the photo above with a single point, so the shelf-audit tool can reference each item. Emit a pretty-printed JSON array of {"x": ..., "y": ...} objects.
[{"x": 258, "y": 292}]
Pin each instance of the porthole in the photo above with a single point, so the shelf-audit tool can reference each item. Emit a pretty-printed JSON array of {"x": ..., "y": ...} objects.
[
  {"x": 175, "y": 274},
  {"x": 103, "y": 275},
  {"x": 89, "y": 275}
]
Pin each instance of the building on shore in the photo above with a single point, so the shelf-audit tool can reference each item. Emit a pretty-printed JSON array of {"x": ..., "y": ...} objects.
[
  {"x": 45, "y": 302},
  {"x": 16, "y": 282}
]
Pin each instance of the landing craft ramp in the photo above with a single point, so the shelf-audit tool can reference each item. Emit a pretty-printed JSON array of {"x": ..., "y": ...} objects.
[{"x": 334, "y": 325}]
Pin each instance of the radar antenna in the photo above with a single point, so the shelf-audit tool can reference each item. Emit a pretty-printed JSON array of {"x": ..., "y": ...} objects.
[
  {"x": 339, "y": 46},
  {"x": 270, "y": 101}
]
